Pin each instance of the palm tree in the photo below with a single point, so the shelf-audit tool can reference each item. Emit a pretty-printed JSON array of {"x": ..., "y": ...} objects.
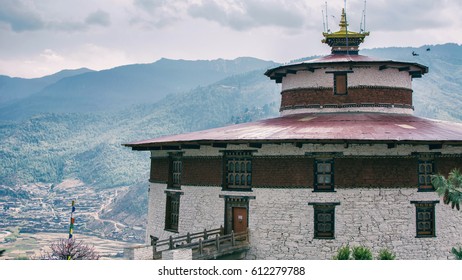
[{"x": 450, "y": 188}]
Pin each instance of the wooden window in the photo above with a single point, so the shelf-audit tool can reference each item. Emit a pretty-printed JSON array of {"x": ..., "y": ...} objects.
[
  {"x": 426, "y": 170},
  {"x": 425, "y": 218},
  {"x": 340, "y": 83},
  {"x": 172, "y": 211},
  {"x": 324, "y": 220},
  {"x": 238, "y": 173},
  {"x": 324, "y": 175},
  {"x": 175, "y": 170}
]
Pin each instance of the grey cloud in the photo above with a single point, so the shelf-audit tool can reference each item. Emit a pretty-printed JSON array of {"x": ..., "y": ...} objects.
[
  {"x": 247, "y": 14},
  {"x": 285, "y": 14},
  {"x": 213, "y": 11},
  {"x": 399, "y": 15},
  {"x": 150, "y": 5},
  {"x": 19, "y": 16},
  {"x": 98, "y": 18},
  {"x": 66, "y": 26},
  {"x": 160, "y": 12}
]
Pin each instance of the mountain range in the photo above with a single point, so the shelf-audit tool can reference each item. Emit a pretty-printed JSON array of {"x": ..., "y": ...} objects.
[{"x": 83, "y": 90}]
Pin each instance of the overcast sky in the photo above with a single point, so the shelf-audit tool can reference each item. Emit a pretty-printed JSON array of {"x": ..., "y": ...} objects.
[{"x": 41, "y": 37}]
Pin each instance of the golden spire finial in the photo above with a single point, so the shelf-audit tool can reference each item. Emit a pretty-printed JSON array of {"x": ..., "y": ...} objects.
[
  {"x": 344, "y": 41},
  {"x": 343, "y": 22}
]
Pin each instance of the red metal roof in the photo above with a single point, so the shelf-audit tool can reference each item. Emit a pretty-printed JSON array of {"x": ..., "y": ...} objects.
[{"x": 326, "y": 127}]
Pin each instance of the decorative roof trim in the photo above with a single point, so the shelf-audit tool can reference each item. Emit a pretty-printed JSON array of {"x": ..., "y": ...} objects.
[{"x": 279, "y": 72}]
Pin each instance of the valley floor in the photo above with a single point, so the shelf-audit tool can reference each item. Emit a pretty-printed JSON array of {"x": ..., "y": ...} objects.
[
  {"x": 31, "y": 246},
  {"x": 39, "y": 208}
]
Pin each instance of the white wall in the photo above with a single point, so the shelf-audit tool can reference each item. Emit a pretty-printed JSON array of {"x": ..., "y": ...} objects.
[
  {"x": 281, "y": 222},
  {"x": 377, "y": 218},
  {"x": 370, "y": 76},
  {"x": 292, "y": 150}
]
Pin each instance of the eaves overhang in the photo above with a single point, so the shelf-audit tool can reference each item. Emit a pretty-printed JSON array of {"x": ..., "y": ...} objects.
[
  {"x": 414, "y": 69},
  {"x": 332, "y": 128}
]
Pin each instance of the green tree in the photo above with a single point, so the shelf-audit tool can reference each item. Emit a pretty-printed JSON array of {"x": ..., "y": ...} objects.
[{"x": 450, "y": 189}]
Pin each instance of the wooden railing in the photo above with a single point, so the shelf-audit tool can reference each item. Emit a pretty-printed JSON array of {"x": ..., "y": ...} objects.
[
  {"x": 220, "y": 244},
  {"x": 202, "y": 243}
]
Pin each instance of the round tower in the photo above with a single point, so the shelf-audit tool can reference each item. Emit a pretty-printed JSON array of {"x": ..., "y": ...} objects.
[{"x": 346, "y": 81}]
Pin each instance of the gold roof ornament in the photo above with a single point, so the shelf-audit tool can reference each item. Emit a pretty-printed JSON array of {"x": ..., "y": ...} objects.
[{"x": 344, "y": 41}]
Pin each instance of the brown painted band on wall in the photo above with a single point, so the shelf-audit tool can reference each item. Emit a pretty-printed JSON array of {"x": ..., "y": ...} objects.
[
  {"x": 304, "y": 97},
  {"x": 297, "y": 172}
]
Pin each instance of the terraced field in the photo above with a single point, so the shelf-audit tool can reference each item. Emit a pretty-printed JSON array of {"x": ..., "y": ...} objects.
[{"x": 31, "y": 246}]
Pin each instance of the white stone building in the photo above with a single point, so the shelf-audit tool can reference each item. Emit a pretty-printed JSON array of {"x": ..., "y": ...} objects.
[{"x": 345, "y": 163}]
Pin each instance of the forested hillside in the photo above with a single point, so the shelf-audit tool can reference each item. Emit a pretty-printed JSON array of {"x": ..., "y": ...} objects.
[{"x": 51, "y": 147}]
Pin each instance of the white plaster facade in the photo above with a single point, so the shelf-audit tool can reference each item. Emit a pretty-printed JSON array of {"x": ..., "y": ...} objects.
[
  {"x": 390, "y": 110},
  {"x": 361, "y": 76},
  {"x": 286, "y": 149}
]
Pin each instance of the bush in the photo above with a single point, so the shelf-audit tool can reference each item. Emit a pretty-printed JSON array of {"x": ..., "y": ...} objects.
[
  {"x": 457, "y": 253},
  {"x": 343, "y": 253},
  {"x": 362, "y": 253},
  {"x": 65, "y": 249},
  {"x": 384, "y": 254}
]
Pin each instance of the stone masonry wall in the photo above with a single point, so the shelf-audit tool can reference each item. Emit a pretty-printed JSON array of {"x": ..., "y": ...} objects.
[
  {"x": 200, "y": 208},
  {"x": 282, "y": 224},
  {"x": 143, "y": 252}
]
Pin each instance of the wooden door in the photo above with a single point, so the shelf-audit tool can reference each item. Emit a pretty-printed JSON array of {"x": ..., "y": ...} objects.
[{"x": 239, "y": 219}]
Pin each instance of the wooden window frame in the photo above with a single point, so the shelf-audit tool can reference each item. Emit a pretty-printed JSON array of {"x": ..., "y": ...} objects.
[
  {"x": 425, "y": 214},
  {"x": 325, "y": 210},
  {"x": 172, "y": 211},
  {"x": 336, "y": 83},
  {"x": 231, "y": 174},
  {"x": 323, "y": 187},
  {"x": 422, "y": 172},
  {"x": 175, "y": 170}
]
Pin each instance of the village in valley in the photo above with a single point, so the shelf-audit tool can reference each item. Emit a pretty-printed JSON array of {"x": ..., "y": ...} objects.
[{"x": 45, "y": 209}]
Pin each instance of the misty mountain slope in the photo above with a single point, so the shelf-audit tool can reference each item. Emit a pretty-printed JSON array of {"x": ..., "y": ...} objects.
[
  {"x": 114, "y": 89},
  {"x": 53, "y": 147},
  {"x": 14, "y": 89}
]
